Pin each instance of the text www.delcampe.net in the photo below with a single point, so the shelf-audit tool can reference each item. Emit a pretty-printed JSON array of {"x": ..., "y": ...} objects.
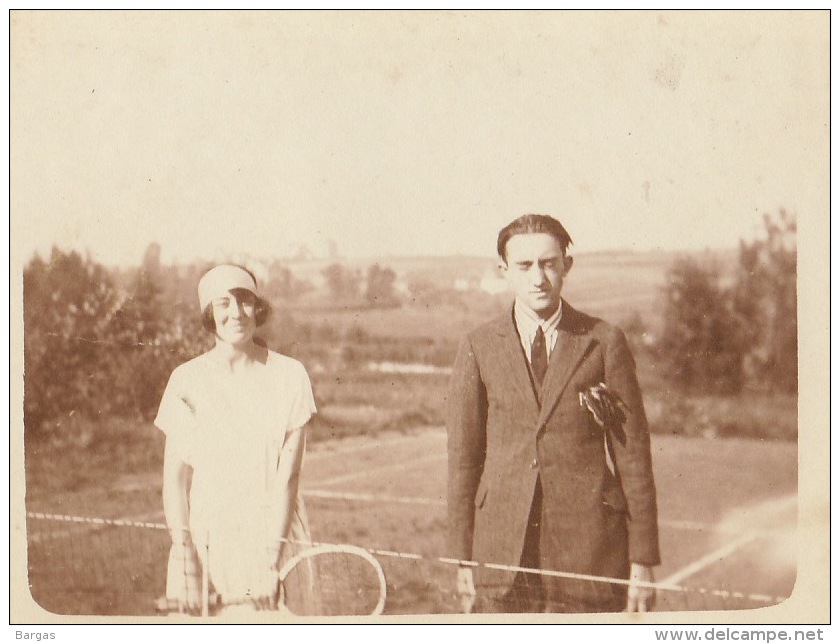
[{"x": 738, "y": 635}]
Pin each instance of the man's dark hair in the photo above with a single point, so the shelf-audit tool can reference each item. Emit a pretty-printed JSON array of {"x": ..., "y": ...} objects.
[{"x": 528, "y": 224}]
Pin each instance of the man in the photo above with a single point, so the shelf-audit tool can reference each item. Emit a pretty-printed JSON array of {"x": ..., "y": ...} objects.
[{"x": 539, "y": 476}]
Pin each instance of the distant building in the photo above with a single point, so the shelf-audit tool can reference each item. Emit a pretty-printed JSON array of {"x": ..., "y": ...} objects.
[
  {"x": 461, "y": 284},
  {"x": 401, "y": 287},
  {"x": 303, "y": 254}
]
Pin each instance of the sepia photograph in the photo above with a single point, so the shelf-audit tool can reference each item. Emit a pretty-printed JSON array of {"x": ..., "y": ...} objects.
[{"x": 394, "y": 316}]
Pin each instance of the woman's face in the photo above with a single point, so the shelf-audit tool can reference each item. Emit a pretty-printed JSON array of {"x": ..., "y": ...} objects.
[{"x": 235, "y": 317}]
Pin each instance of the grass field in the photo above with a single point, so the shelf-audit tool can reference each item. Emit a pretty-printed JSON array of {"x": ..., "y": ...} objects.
[{"x": 727, "y": 513}]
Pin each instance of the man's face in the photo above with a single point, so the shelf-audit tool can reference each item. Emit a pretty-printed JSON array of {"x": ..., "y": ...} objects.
[{"x": 535, "y": 269}]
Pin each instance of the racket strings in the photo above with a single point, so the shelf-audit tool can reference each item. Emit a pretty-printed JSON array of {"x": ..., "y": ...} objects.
[{"x": 333, "y": 583}]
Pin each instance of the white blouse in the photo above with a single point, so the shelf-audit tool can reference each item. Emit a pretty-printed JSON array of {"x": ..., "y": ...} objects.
[{"x": 231, "y": 428}]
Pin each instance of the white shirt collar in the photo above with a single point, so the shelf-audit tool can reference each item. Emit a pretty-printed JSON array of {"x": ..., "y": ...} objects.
[{"x": 527, "y": 322}]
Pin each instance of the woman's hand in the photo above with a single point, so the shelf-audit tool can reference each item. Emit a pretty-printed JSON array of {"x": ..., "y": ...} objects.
[{"x": 265, "y": 593}]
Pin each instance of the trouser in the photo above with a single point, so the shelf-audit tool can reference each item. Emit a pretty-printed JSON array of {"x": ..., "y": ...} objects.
[
  {"x": 536, "y": 593},
  {"x": 526, "y": 595}
]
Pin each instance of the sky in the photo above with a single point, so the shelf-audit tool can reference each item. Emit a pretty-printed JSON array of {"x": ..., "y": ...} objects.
[{"x": 219, "y": 134}]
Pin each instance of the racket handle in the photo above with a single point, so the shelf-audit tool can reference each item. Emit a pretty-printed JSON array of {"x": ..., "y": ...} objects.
[{"x": 205, "y": 581}]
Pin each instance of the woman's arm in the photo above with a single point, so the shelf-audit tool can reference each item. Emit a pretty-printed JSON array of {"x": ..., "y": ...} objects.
[
  {"x": 176, "y": 507},
  {"x": 287, "y": 484}
]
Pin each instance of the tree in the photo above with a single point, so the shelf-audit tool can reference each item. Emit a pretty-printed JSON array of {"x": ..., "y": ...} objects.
[
  {"x": 139, "y": 318},
  {"x": 282, "y": 283},
  {"x": 67, "y": 302},
  {"x": 136, "y": 331},
  {"x": 717, "y": 339},
  {"x": 342, "y": 282},
  {"x": 380, "y": 287},
  {"x": 764, "y": 298},
  {"x": 701, "y": 336},
  {"x": 90, "y": 350}
]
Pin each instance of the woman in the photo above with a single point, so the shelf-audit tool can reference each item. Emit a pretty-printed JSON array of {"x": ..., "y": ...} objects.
[{"x": 234, "y": 420}]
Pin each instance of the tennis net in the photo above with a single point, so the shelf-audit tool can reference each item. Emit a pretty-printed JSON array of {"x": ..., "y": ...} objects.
[{"x": 94, "y": 566}]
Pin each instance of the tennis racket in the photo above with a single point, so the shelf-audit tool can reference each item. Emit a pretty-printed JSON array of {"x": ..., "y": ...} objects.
[
  {"x": 332, "y": 580},
  {"x": 322, "y": 580}
]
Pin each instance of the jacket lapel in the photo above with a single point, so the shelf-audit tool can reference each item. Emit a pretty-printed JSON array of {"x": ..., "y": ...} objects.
[
  {"x": 516, "y": 363},
  {"x": 572, "y": 345}
]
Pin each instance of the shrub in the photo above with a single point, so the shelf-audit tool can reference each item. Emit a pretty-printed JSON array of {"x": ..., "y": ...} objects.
[
  {"x": 716, "y": 339},
  {"x": 67, "y": 304},
  {"x": 768, "y": 417},
  {"x": 765, "y": 298},
  {"x": 379, "y": 291},
  {"x": 701, "y": 337}
]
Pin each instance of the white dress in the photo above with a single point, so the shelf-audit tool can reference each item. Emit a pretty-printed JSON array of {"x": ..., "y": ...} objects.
[{"x": 231, "y": 428}]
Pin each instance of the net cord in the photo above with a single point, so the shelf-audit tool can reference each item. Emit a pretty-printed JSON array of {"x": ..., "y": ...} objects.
[{"x": 724, "y": 594}]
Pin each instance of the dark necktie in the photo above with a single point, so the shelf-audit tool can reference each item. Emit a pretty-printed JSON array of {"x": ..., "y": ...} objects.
[{"x": 539, "y": 359}]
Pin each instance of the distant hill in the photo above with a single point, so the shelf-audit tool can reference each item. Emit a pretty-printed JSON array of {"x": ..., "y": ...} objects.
[
  {"x": 445, "y": 270},
  {"x": 617, "y": 286}
]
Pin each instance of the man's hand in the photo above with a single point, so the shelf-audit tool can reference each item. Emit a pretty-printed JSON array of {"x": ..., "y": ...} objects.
[
  {"x": 640, "y": 599},
  {"x": 465, "y": 589}
]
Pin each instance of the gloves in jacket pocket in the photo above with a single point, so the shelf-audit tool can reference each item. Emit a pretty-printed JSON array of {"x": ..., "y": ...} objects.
[{"x": 607, "y": 408}]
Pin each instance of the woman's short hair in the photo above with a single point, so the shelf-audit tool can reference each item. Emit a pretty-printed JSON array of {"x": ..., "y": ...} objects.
[{"x": 529, "y": 224}]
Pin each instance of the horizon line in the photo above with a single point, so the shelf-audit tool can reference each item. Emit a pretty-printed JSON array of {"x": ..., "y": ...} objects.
[{"x": 317, "y": 258}]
